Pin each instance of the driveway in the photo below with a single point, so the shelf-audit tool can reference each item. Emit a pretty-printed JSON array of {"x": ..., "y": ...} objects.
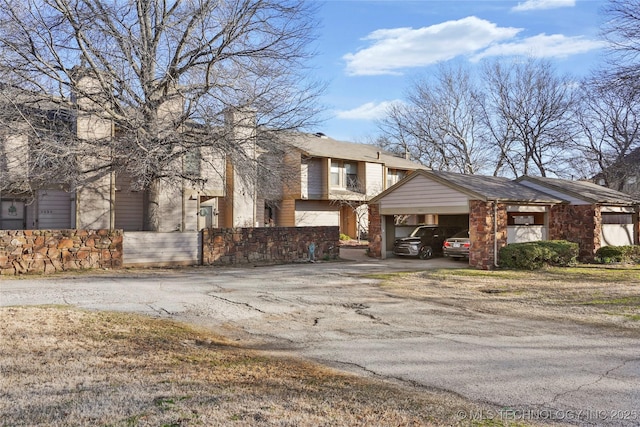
[{"x": 335, "y": 314}]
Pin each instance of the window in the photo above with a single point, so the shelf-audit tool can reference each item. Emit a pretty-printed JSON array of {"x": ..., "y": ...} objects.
[
  {"x": 525, "y": 218},
  {"x": 351, "y": 170},
  {"x": 335, "y": 174},
  {"x": 617, "y": 218},
  {"x": 192, "y": 163},
  {"x": 344, "y": 175}
]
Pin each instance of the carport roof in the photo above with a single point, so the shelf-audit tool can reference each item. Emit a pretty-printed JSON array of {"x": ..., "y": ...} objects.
[
  {"x": 480, "y": 187},
  {"x": 496, "y": 188},
  {"x": 584, "y": 190}
]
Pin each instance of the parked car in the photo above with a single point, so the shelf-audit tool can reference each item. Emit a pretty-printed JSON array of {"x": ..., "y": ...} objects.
[
  {"x": 457, "y": 246},
  {"x": 424, "y": 241}
]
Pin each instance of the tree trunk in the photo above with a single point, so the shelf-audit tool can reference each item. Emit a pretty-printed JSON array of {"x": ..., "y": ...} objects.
[{"x": 152, "y": 220}]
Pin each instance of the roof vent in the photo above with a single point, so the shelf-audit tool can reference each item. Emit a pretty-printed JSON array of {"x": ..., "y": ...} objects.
[{"x": 320, "y": 135}]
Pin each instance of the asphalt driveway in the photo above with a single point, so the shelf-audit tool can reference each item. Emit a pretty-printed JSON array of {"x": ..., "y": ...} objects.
[{"x": 334, "y": 313}]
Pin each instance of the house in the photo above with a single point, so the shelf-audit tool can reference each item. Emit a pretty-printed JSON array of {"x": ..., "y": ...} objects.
[
  {"x": 328, "y": 182},
  {"x": 332, "y": 181},
  {"x": 106, "y": 199},
  {"x": 500, "y": 211}
]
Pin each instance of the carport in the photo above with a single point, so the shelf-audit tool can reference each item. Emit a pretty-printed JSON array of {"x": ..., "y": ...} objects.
[
  {"x": 496, "y": 210},
  {"x": 500, "y": 211}
]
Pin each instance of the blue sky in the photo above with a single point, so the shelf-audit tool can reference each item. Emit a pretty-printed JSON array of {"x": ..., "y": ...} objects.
[{"x": 371, "y": 51}]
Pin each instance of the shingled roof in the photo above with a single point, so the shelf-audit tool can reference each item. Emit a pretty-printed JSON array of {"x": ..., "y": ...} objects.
[
  {"x": 496, "y": 188},
  {"x": 318, "y": 145},
  {"x": 522, "y": 190},
  {"x": 584, "y": 190}
]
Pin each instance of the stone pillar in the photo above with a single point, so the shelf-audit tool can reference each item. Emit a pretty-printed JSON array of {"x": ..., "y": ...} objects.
[
  {"x": 577, "y": 223},
  {"x": 375, "y": 231},
  {"x": 484, "y": 233}
]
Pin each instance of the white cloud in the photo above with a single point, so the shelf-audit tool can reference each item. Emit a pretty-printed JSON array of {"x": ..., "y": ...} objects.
[
  {"x": 543, "y": 4},
  {"x": 399, "y": 48},
  {"x": 368, "y": 111},
  {"x": 542, "y": 46}
]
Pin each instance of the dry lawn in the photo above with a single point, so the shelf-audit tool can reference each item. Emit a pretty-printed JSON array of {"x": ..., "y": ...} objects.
[
  {"x": 593, "y": 295},
  {"x": 66, "y": 367}
]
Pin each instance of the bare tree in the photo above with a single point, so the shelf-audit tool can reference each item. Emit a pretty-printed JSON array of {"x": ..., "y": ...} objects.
[
  {"x": 439, "y": 123},
  {"x": 528, "y": 112},
  {"x": 609, "y": 115},
  {"x": 161, "y": 74},
  {"x": 622, "y": 31},
  {"x": 356, "y": 201}
]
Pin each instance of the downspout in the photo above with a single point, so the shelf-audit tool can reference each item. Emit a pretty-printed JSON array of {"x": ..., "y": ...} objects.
[
  {"x": 183, "y": 217},
  {"x": 495, "y": 233},
  {"x": 112, "y": 201}
]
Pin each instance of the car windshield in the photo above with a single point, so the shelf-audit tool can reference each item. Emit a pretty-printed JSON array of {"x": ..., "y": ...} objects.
[
  {"x": 464, "y": 234},
  {"x": 421, "y": 232}
]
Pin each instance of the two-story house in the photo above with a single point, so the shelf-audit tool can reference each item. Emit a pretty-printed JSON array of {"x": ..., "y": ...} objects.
[
  {"x": 331, "y": 182},
  {"x": 106, "y": 198}
]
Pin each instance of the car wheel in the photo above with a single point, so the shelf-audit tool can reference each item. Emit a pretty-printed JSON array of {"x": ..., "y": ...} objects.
[{"x": 426, "y": 252}]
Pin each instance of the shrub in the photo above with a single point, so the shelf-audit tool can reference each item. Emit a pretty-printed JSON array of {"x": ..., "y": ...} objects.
[
  {"x": 626, "y": 254},
  {"x": 344, "y": 237},
  {"x": 534, "y": 255}
]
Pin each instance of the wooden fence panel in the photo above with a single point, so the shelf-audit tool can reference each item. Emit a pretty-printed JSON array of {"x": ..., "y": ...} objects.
[{"x": 153, "y": 249}]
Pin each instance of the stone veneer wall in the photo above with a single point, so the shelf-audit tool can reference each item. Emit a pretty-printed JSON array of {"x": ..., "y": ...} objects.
[
  {"x": 375, "y": 231},
  {"x": 577, "y": 223},
  {"x": 228, "y": 246},
  {"x": 48, "y": 251},
  {"x": 481, "y": 233}
]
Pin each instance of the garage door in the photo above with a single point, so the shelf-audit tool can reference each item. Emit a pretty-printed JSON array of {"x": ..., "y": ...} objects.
[
  {"x": 54, "y": 209},
  {"x": 316, "y": 213}
]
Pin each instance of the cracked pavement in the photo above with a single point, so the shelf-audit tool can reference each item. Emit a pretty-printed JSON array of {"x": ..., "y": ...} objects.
[{"x": 334, "y": 314}]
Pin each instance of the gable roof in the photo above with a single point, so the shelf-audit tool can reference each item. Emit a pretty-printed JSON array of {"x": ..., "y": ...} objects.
[
  {"x": 317, "y": 145},
  {"x": 525, "y": 189},
  {"x": 583, "y": 190},
  {"x": 480, "y": 187}
]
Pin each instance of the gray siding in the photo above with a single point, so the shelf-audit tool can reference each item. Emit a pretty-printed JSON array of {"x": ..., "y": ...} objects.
[
  {"x": 314, "y": 179},
  {"x": 129, "y": 206},
  {"x": 54, "y": 209},
  {"x": 422, "y": 195},
  {"x": 374, "y": 178}
]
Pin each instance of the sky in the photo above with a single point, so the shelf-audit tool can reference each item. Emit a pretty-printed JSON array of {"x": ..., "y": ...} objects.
[{"x": 370, "y": 51}]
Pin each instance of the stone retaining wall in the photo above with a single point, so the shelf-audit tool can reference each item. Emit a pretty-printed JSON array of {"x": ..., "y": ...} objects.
[
  {"x": 227, "y": 246},
  {"x": 48, "y": 251}
]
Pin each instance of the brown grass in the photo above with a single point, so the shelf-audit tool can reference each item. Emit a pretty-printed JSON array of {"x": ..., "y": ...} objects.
[
  {"x": 61, "y": 366},
  {"x": 594, "y": 295}
]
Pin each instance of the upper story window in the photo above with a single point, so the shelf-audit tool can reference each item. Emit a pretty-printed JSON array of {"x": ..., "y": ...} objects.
[
  {"x": 191, "y": 165},
  {"x": 344, "y": 175},
  {"x": 395, "y": 175}
]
